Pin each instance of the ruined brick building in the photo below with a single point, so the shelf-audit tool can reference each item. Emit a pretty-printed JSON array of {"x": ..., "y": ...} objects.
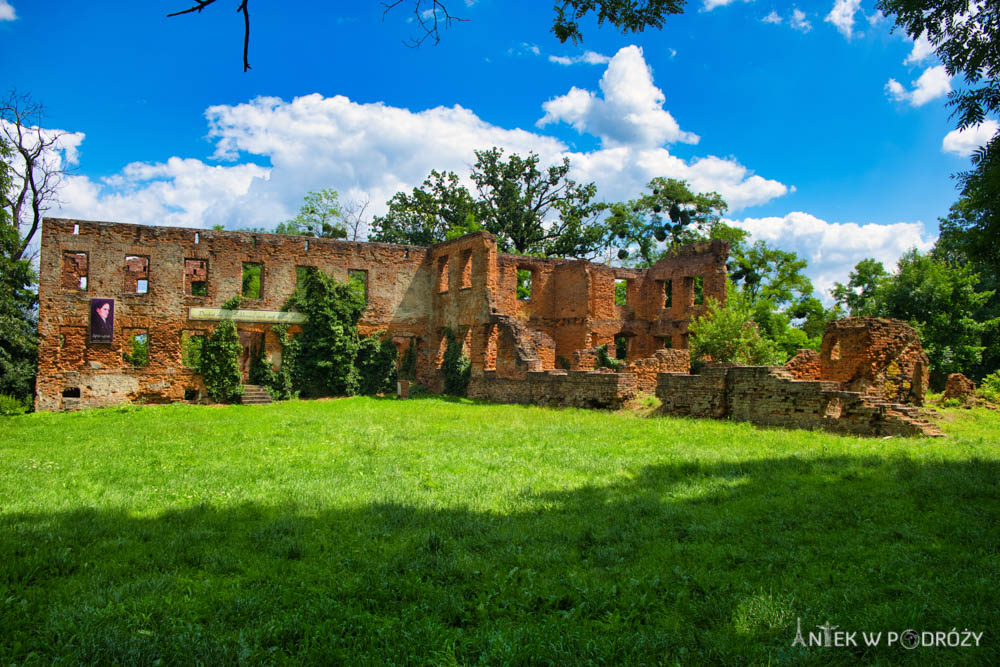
[
  {"x": 166, "y": 285},
  {"x": 529, "y": 325}
]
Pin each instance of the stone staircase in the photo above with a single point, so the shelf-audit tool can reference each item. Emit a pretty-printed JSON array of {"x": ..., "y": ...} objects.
[
  {"x": 907, "y": 414},
  {"x": 255, "y": 395}
]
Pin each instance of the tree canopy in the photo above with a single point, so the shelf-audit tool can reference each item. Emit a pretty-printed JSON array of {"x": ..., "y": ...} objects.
[{"x": 531, "y": 210}]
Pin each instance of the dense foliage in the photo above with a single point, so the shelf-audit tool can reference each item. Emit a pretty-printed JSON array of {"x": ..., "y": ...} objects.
[
  {"x": 455, "y": 367},
  {"x": 376, "y": 364},
  {"x": 219, "y": 363},
  {"x": 728, "y": 333},
  {"x": 18, "y": 319},
  {"x": 320, "y": 216},
  {"x": 530, "y": 210},
  {"x": 329, "y": 342},
  {"x": 277, "y": 381},
  {"x": 939, "y": 299}
]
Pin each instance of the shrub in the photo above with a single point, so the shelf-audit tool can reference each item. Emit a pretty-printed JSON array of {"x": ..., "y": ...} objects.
[
  {"x": 989, "y": 388},
  {"x": 729, "y": 334},
  {"x": 328, "y": 346},
  {"x": 219, "y": 363},
  {"x": 10, "y": 406},
  {"x": 605, "y": 360},
  {"x": 277, "y": 382},
  {"x": 376, "y": 364},
  {"x": 456, "y": 367}
]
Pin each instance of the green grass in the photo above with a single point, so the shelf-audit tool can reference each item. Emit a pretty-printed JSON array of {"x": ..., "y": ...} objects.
[{"x": 433, "y": 531}]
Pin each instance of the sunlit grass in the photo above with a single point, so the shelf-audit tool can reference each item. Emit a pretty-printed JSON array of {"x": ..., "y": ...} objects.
[{"x": 437, "y": 531}]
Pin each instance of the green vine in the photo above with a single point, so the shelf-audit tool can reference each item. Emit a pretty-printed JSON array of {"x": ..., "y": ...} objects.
[
  {"x": 219, "y": 363},
  {"x": 455, "y": 367},
  {"x": 604, "y": 360}
]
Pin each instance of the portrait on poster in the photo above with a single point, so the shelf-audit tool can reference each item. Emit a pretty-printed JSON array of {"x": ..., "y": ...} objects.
[{"x": 102, "y": 320}]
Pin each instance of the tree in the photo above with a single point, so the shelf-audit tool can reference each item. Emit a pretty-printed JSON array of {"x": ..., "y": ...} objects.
[
  {"x": 729, "y": 334},
  {"x": 430, "y": 15},
  {"x": 438, "y": 210},
  {"x": 35, "y": 170},
  {"x": 965, "y": 37},
  {"x": 939, "y": 300},
  {"x": 534, "y": 212},
  {"x": 969, "y": 238},
  {"x": 669, "y": 215},
  {"x": 530, "y": 210},
  {"x": 859, "y": 294},
  {"x": 320, "y": 216},
  {"x": 18, "y": 326}
]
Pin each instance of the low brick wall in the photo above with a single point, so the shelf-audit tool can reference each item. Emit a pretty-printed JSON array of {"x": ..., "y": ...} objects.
[
  {"x": 647, "y": 369},
  {"x": 557, "y": 388},
  {"x": 770, "y": 396},
  {"x": 805, "y": 365}
]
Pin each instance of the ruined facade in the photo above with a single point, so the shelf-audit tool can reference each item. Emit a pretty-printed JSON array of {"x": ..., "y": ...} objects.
[
  {"x": 167, "y": 286},
  {"x": 865, "y": 380}
]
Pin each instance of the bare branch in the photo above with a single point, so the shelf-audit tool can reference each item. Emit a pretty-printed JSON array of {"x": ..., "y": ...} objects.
[
  {"x": 36, "y": 175},
  {"x": 202, "y": 4}
]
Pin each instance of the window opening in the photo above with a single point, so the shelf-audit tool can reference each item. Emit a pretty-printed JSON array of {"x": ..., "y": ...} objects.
[
  {"x": 524, "y": 284},
  {"x": 196, "y": 277},
  {"x": 252, "y": 279},
  {"x": 358, "y": 279},
  {"x": 699, "y": 291},
  {"x": 621, "y": 292},
  {"x": 74, "y": 271},
  {"x": 136, "y": 274},
  {"x": 136, "y": 350},
  {"x": 442, "y": 276}
]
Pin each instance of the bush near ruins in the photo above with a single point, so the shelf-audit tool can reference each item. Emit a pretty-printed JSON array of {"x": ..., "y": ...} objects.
[
  {"x": 329, "y": 357},
  {"x": 729, "y": 334},
  {"x": 329, "y": 342},
  {"x": 455, "y": 367},
  {"x": 277, "y": 382},
  {"x": 219, "y": 363},
  {"x": 377, "y": 365}
]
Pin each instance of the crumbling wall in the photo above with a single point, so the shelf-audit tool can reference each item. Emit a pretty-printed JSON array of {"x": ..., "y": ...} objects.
[
  {"x": 770, "y": 396},
  {"x": 398, "y": 301},
  {"x": 557, "y": 388},
  {"x": 648, "y": 369},
  {"x": 805, "y": 365},
  {"x": 158, "y": 275},
  {"x": 875, "y": 356}
]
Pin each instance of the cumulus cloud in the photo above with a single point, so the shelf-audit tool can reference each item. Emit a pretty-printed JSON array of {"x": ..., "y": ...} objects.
[
  {"x": 834, "y": 248},
  {"x": 932, "y": 84},
  {"x": 965, "y": 142},
  {"x": 922, "y": 50},
  {"x": 7, "y": 12},
  {"x": 799, "y": 22},
  {"x": 588, "y": 58},
  {"x": 630, "y": 113},
  {"x": 842, "y": 16},
  {"x": 772, "y": 18},
  {"x": 375, "y": 150}
]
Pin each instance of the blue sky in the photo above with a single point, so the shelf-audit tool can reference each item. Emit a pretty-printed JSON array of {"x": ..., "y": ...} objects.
[{"x": 827, "y": 132}]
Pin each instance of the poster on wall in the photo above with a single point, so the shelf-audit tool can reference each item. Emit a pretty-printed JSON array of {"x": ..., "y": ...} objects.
[{"x": 102, "y": 320}]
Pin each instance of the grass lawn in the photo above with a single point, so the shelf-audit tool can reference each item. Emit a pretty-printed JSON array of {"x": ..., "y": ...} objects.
[{"x": 434, "y": 531}]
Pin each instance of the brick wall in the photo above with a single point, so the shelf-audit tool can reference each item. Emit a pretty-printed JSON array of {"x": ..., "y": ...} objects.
[
  {"x": 557, "y": 388},
  {"x": 805, "y": 365},
  {"x": 770, "y": 396},
  {"x": 157, "y": 274}
]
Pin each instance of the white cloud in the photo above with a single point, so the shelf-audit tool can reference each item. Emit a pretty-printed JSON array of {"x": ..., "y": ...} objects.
[
  {"x": 524, "y": 49},
  {"x": 842, "y": 16},
  {"x": 709, "y": 5},
  {"x": 7, "y": 12},
  {"x": 965, "y": 142},
  {"x": 630, "y": 113},
  {"x": 834, "y": 248},
  {"x": 772, "y": 18},
  {"x": 376, "y": 150},
  {"x": 799, "y": 22},
  {"x": 922, "y": 50},
  {"x": 588, "y": 58},
  {"x": 932, "y": 84}
]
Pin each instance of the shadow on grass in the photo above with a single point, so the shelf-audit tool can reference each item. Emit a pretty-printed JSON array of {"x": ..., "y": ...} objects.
[{"x": 684, "y": 563}]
